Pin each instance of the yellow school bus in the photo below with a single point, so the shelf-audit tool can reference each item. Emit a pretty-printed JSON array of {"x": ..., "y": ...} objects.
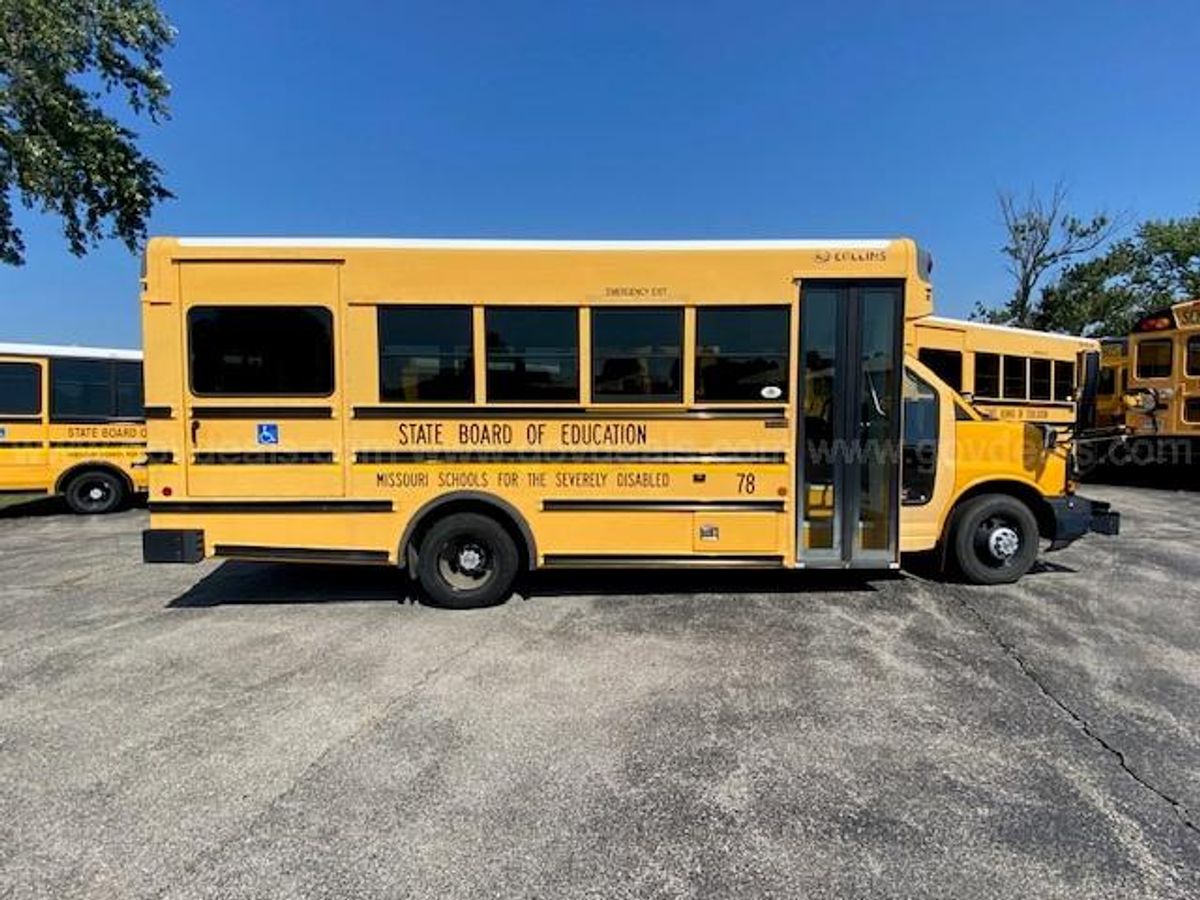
[
  {"x": 1007, "y": 373},
  {"x": 470, "y": 409},
  {"x": 1162, "y": 395},
  {"x": 71, "y": 424}
]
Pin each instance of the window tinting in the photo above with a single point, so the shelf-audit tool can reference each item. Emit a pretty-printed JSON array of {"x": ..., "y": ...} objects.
[
  {"x": 987, "y": 375},
  {"x": 533, "y": 355},
  {"x": 920, "y": 441},
  {"x": 636, "y": 355},
  {"x": 129, "y": 393},
  {"x": 20, "y": 389},
  {"x": 1192, "y": 367},
  {"x": 946, "y": 365},
  {"x": 1064, "y": 380},
  {"x": 1191, "y": 410},
  {"x": 1154, "y": 358},
  {"x": 1039, "y": 379},
  {"x": 261, "y": 351},
  {"x": 95, "y": 389},
  {"x": 742, "y": 353},
  {"x": 425, "y": 353},
  {"x": 1015, "y": 377}
]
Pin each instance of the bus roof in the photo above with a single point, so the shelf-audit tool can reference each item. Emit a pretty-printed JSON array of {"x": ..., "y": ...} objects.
[
  {"x": 530, "y": 244},
  {"x": 51, "y": 350},
  {"x": 1009, "y": 329}
]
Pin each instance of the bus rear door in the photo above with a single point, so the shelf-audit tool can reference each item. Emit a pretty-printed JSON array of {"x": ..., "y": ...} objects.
[{"x": 262, "y": 409}]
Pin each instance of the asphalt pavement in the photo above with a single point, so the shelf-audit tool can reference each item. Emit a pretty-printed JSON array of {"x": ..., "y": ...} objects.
[{"x": 244, "y": 730}]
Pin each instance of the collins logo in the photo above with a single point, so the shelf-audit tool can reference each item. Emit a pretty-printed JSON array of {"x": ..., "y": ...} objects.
[{"x": 826, "y": 256}]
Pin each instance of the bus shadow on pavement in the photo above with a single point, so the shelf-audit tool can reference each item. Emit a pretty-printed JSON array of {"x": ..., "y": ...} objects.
[{"x": 249, "y": 583}]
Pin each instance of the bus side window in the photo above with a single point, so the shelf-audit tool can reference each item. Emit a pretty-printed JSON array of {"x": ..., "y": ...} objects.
[
  {"x": 1039, "y": 379},
  {"x": 945, "y": 364},
  {"x": 987, "y": 375},
  {"x": 532, "y": 354},
  {"x": 637, "y": 355},
  {"x": 425, "y": 353},
  {"x": 742, "y": 354},
  {"x": 920, "y": 441},
  {"x": 95, "y": 389},
  {"x": 1064, "y": 379},
  {"x": 1154, "y": 358},
  {"x": 20, "y": 389},
  {"x": 1106, "y": 385},
  {"x": 1016, "y": 378}
]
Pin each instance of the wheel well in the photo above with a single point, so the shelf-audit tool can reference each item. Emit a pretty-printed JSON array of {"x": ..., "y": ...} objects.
[
  {"x": 469, "y": 501},
  {"x": 1019, "y": 490},
  {"x": 79, "y": 469}
]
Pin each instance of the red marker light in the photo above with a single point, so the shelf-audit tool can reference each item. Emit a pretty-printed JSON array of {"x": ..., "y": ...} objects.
[{"x": 166, "y": 492}]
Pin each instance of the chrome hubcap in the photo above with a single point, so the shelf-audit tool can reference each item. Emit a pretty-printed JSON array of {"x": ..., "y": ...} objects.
[
  {"x": 1003, "y": 543},
  {"x": 470, "y": 559}
]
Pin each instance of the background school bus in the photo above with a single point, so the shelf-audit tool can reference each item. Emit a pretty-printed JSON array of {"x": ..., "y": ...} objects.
[{"x": 71, "y": 424}]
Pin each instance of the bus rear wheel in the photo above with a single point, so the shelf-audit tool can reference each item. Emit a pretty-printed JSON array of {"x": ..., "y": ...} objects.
[
  {"x": 994, "y": 539},
  {"x": 94, "y": 492},
  {"x": 467, "y": 561}
]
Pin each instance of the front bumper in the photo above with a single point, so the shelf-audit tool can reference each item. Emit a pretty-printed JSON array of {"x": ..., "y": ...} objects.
[{"x": 1076, "y": 516}]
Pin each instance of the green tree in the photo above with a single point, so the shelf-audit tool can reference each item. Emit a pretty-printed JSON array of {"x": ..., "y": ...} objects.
[
  {"x": 1042, "y": 236},
  {"x": 65, "y": 65},
  {"x": 1158, "y": 266}
]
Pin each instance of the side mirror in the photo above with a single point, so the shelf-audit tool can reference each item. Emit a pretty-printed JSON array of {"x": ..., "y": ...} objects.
[{"x": 1049, "y": 437}]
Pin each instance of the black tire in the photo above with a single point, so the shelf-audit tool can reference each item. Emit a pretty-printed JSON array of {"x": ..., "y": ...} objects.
[
  {"x": 467, "y": 561},
  {"x": 94, "y": 492},
  {"x": 994, "y": 539}
]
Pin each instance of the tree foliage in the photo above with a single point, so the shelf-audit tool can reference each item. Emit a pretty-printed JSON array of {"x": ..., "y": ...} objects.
[
  {"x": 1158, "y": 266},
  {"x": 1042, "y": 236},
  {"x": 64, "y": 65}
]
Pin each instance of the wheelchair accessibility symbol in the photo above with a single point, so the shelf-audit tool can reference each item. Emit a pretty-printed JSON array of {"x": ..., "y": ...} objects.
[{"x": 268, "y": 433}]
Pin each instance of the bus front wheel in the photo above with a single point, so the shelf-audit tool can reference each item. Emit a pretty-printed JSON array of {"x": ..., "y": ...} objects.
[
  {"x": 994, "y": 539},
  {"x": 94, "y": 492},
  {"x": 466, "y": 561}
]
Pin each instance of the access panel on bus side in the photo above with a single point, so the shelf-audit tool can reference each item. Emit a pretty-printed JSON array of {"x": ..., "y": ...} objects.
[
  {"x": 23, "y": 452},
  {"x": 262, "y": 401}
]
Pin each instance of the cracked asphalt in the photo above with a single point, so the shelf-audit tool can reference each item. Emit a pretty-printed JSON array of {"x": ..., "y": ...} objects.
[{"x": 268, "y": 731}]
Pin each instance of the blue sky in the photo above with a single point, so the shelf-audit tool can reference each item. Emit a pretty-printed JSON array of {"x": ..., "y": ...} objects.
[{"x": 552, "y": 118}]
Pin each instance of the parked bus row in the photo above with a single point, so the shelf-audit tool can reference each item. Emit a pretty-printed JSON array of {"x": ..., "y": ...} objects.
[{"x": 1150, "y": 383}]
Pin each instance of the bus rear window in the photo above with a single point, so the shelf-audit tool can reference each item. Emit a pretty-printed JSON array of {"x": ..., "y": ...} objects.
[
  {"x": 20, "y": 389},
  {"x": 1193, "y": 356},
  {"x": 1154, "y": 358},
  {"x": 261, "y": 351}
]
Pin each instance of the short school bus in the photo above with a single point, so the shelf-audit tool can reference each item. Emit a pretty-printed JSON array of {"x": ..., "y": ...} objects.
[
  {"x": 1008, "y": 373},
  {"x": 71, "y": 424},
  {"x": 469, "y": 409}
]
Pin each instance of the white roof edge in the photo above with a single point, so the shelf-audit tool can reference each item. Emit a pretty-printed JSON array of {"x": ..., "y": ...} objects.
[
  {"x": 522, "y": 244},
  {"x": 70, "y": 352},
  {"x": 945, "y": 320}
]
